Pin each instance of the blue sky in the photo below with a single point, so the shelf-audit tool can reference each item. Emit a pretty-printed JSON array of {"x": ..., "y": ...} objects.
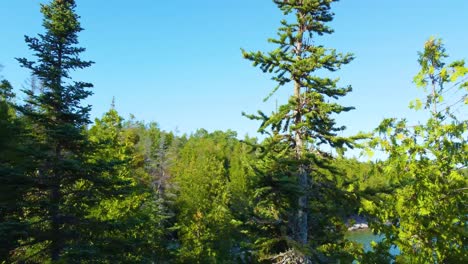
[{"x": 178, "y": 62}]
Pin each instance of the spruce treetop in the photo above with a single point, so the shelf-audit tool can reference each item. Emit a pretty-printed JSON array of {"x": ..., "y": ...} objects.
[
  {"x": 57, "y": 55},
  {"x": 297, "y": 60}
]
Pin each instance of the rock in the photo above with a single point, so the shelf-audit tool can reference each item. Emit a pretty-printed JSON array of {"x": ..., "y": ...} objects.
[{"x": 358, "y": 226}]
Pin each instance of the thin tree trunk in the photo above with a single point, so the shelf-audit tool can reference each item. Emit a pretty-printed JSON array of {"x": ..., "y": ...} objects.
[
  {"x": 301, "y": 228},
  {"x": 57, "y": 237},
  {"x": 56, "y": 241}
]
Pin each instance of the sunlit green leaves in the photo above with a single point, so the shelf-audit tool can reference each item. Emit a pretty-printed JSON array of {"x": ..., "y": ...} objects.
[
  {"x": 212, "y": 182},
  {"x": 429, "y": 207},
  {"x": 459, "y": 70}
]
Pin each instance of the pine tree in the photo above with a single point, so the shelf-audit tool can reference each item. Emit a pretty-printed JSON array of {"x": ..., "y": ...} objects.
[
  {"x": 301, "y": 130},
  {"x": 68, "y": 182}
]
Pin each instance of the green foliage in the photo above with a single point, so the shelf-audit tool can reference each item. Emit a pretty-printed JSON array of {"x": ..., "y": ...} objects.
[
  {"x": 128, "y": 192},
  {"x": 294, "y": 194},
  {"x": 137, "y": 207},
  {"x": 426, "y": 215},
  {"x": 68, "y": 182},
  {"x": 14, "y": 163},
  {"x": 211, "y": 177},
  {"x": 6, "y": 91}
]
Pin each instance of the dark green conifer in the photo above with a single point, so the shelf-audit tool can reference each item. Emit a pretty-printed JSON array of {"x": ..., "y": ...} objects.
[
  {"x": 14, "y": 163},
  {"x": 68, "y": 182},
  {"x": 295, "y": 196}
]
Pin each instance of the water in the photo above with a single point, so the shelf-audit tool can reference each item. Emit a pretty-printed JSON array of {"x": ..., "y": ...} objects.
[{"x": 365, "y": 237}]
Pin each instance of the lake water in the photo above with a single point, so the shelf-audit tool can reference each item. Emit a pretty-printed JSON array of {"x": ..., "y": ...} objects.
[{"x": 365, "y": 237}]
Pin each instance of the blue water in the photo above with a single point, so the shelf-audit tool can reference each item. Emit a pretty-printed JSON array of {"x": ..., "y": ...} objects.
[{"x": 365, "y": 237}]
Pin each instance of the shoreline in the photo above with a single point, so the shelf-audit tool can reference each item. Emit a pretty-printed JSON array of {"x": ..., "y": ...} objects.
[{"x": 358, "y": 226}]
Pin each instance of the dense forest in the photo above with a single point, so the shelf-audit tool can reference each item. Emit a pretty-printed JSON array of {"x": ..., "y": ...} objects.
[{"x": 115, "y": 190}]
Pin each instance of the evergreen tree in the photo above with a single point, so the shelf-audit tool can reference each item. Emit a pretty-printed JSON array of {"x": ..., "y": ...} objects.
[
  {"x": 294, "y": 156},
  {"x": 426, "y": 215},
  {"x": 14, "y": 163},
  {"x": 137, "y": 232},
  {"x": 68, "y": 182},
  {"x": 208, "y": 187}
]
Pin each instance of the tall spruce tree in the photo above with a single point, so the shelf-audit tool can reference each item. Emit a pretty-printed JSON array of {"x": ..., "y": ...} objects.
[
  {"x": 300, "y": 132},
  {"x": 68, "y": 182}
]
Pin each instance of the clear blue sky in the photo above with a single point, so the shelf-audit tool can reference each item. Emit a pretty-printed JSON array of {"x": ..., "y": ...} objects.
[{"x": 178, "y": 62}]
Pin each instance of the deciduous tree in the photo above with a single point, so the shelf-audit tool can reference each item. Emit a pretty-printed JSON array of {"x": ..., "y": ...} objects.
[{"x": 426, "y": 216}]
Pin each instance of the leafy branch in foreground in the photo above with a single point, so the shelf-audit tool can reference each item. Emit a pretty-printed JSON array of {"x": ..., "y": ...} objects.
[{"x": 426, "y": 217}]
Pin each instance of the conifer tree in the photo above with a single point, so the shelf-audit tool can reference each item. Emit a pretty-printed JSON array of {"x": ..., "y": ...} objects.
[
  {"x": 203, "y": 221},
  {"x": 14, "y": 163},
  {"x": 138, "y": 230},
  {"x": 67, "y": 181},
  {"x": 300, "y": 131}
]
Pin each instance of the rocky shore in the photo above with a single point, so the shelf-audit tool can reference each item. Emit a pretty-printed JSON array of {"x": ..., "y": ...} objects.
[
  {"x": 359, "y": 226},
  {"x": 357, "y": 222}
]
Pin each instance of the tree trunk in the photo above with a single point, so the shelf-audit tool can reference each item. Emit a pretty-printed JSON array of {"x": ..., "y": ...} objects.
[
  {"x": 55, "y": 215},
  {"x": 56, "y": 241},
  {"x": 301, "y": 223}
]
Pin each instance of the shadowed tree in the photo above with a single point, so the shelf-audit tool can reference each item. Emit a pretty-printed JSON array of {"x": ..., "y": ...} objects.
[
  {"x": 14, "y": 182},
  {"x": 68, "y": 182}
]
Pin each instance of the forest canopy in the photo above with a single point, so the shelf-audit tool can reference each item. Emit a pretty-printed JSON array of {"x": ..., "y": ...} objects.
[{"x": 117, "y": 190}]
